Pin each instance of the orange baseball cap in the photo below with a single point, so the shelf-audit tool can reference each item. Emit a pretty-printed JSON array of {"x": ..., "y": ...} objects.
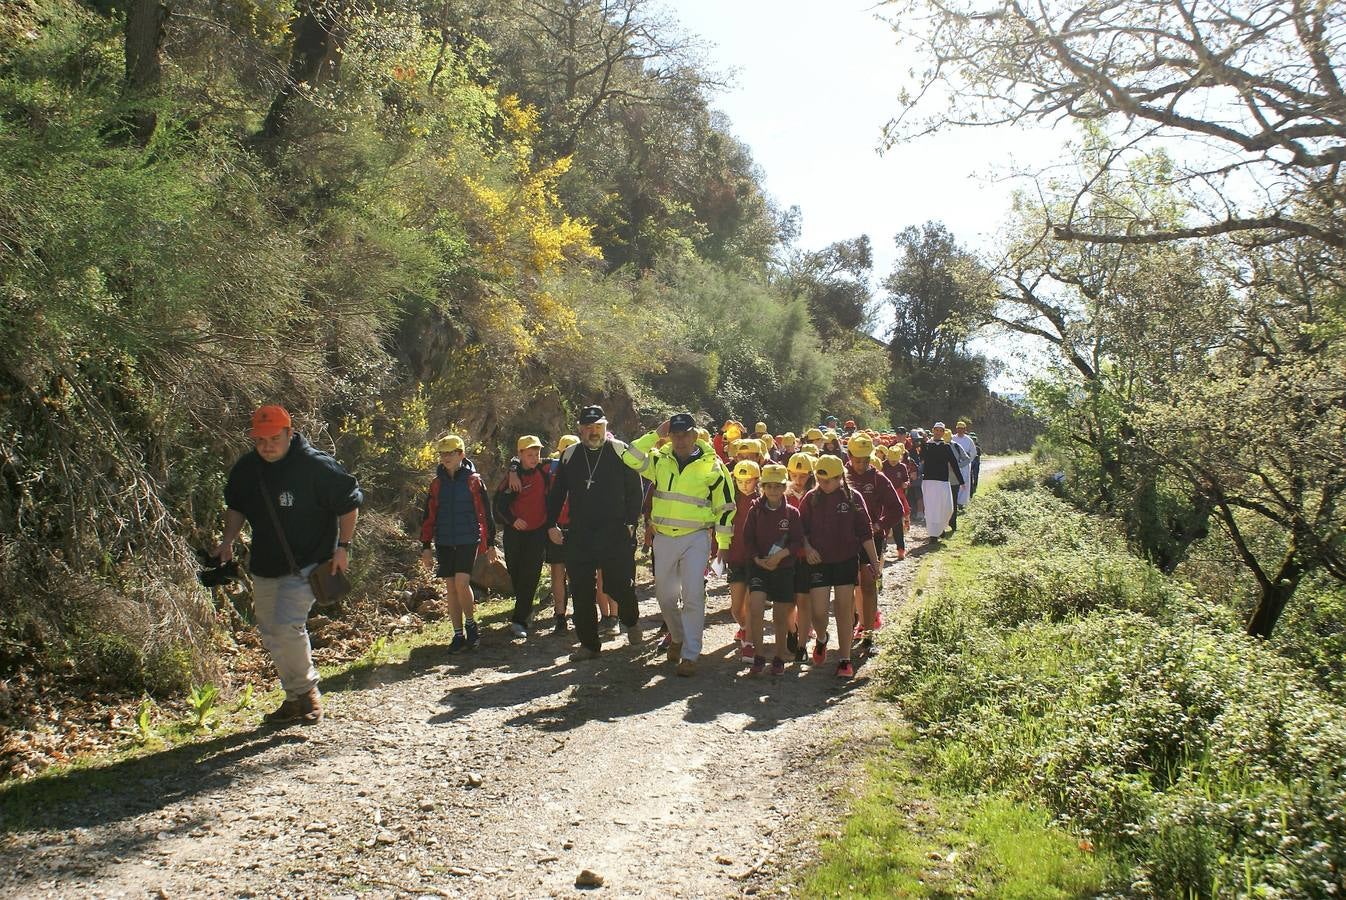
[{"x": 269, "y": 421}]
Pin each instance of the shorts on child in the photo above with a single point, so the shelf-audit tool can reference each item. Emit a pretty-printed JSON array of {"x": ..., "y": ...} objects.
[
  {"x": 777, "y": 584},
  {"x": 454, "y": 559},
  {"x": 834, "y": 574}
]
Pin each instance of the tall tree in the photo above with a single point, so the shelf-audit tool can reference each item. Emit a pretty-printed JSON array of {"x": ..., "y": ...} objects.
[
  {"x": 1258, "y": 82},
  {"x": 936, "y": 304},
  {"x": 146, "y": 22}
]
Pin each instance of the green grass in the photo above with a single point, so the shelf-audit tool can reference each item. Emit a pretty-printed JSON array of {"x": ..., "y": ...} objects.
[{"x": 902, "y": 838}]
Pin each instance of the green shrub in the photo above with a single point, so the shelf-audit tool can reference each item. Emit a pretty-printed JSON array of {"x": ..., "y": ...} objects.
[
  {"x": 1058, "y": 585},
  {"x": 1072, "y": 675},
  {"x": 169, "y": 671},
  {"x": 1312, "y": 632},
  {"x": 111, "y": 661}
]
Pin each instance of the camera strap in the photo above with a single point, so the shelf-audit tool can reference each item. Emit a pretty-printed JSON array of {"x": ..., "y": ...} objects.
[{"x": 275, "y": 523}]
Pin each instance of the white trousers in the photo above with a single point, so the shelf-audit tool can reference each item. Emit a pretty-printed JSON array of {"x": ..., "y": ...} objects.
[
  {"x": 938, "y": 506},
  {"x": 282, "y": 605},
  {"x": 680, "y": 575}
]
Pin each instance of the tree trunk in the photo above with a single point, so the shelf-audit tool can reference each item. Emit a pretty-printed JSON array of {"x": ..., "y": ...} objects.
[
  {"x": 318, "y": 33},
  {"x": 146, "y": 22},
  {"x": 1275, "y": 595}
]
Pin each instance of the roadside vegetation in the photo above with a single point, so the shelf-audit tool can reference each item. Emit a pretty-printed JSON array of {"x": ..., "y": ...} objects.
[{"x": 1048, "y": 668}]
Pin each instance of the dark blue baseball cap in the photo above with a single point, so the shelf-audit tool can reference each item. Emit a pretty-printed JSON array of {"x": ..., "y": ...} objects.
[
  {"x": 592, "y": 415},
  {"x": 682, "y": 421}
]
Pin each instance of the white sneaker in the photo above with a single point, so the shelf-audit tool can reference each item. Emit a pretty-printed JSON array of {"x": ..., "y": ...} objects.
[{"x": 518, "y": 630}]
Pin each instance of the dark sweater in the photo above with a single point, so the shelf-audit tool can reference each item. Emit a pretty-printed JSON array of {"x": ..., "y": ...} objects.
[
  {"x": 309, "y": 490},
  {"x": 602, "y": 514},
  {"x": 836, "y": 524},
  {"x": 938, "y": 462}
]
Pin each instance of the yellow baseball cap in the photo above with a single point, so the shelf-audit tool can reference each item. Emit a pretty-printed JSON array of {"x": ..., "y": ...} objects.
[
  {"x": 448, "y": 444},
  {"x": 801, "y": 462},
  {"x": 745, "y": 469},
  {"x": 788, "y": 439},
  {"x": 761, "y": 428},
  {"x": 774, "y": 473},
  {"x": 880, "y": 453},
  {"x": 860, "y": 446},
  {"x": 829, "y": 466},
  {"x": 813, "y": 434},
  {"x": 566, "y": 442},
  {"x": 527, "y": 441},
  {"x": 732, "y": 432},
  {"x": 830, "y": 435},
  {"x": 811, "y": 450}
]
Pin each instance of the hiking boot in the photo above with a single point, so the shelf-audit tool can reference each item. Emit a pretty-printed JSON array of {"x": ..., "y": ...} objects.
[
  {"x": 583, "y": 653},
  {"x": 674, "y": 651},
  {"x": 459, "y": 642},
  {"x": 792, "y": 642},
  {"x": 758, "y": 666},
  {"x": 518, "y": 630},
  {"x": 820, "y": 650},
  {"x": 288, "y": 711},
  {"x": 310, "y": 708},
  {"x": 473, "y": 634},
  {"x": 560, "y": 626},
  {"x": 686, "y": 668},
  {"x": 634, "y": 636},
  {"x": 777, "y": 667},
  {"x": 845, "y": 669}
]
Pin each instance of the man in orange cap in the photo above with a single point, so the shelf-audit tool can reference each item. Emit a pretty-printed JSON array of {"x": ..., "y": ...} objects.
[{"x": 301, "y": 506}]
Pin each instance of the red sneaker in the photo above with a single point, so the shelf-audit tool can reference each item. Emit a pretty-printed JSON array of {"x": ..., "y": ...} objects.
[
  {"x": 878, "y": 622},
  {"x": 778, "y": 666},
  {"x": 758, "y": 666},
  {"x": 845, "y": 669},
  {"x": 747, "y": 651},
  {"x": 740, "y": 635},
  {"x": 820, "y": 651}
]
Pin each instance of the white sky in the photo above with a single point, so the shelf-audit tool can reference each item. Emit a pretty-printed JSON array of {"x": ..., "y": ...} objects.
[{"x": 814, "y": 82}]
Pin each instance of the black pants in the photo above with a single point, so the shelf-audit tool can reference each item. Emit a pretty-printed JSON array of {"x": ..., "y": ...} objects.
[
  {"x": 899, "y": 535},
  {"x": 619, "y": 583},
  {"x": 524, "y": 551},
  {"x": 953, "y": 519}
]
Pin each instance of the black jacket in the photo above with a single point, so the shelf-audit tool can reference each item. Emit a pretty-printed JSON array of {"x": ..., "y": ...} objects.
[
  {"x": 602, "y": 516},
  {"x": 308, "y": 490},
  {"x": 938, "y": 462}
]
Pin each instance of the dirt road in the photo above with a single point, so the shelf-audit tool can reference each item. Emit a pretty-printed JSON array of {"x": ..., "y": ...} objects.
[{"x": 503, "y": 772}]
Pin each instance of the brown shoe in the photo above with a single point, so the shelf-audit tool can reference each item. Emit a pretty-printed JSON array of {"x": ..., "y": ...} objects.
[
  {"x": 686, "y": 668},
  {"x": 674, "y": 652},
  {"x": 310, "y": 708},
  {"x": 288, "y": 711}
]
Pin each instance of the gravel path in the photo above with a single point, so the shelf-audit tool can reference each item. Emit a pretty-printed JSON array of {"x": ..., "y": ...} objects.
[{"x": 499, "y": 773}]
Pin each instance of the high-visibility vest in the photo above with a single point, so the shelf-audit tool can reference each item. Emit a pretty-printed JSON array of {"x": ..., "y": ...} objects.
[{"x": 686, "y": 499}]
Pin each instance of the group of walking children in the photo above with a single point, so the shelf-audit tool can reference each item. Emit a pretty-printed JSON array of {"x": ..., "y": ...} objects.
[{"x": 797, "y": 525}]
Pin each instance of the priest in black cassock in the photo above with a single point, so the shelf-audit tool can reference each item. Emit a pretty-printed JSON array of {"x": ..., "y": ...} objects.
[{"x": 605, "y": 498}]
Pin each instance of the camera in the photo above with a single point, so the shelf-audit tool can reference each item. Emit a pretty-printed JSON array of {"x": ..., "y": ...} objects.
[{"x": 213, "y": 572}]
